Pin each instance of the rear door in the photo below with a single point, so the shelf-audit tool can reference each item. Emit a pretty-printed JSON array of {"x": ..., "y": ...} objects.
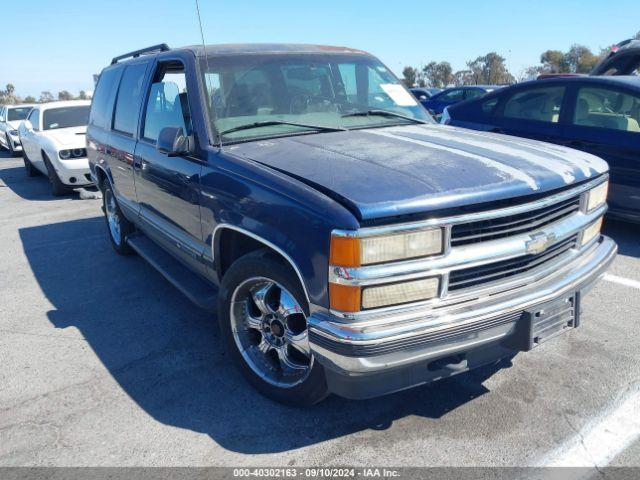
[
  {"x": 168, "y": 188},
  {"x": 29, "y": 140},
  {"x": 605, "y": 120},
  {"x": 124, "y": 133},
  {"x": 532, "y": 112}
]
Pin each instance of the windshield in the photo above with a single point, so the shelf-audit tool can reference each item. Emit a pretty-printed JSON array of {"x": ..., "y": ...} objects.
[
  {"x": 65, "y": 117},
  {"x": 18, "y": 113},
  {"x": 310, "y": 89}
]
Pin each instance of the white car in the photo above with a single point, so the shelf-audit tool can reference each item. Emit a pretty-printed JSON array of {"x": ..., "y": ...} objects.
[
  {"x": 10, "y": 118},
  {"x": 54, "y": 143}
]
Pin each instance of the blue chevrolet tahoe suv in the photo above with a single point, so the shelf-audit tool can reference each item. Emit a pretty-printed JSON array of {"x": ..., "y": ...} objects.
[{"x": 347, "y": 243}]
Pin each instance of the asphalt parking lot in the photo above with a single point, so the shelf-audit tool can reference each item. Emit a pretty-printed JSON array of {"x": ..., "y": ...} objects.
[{"x": 104, "y": 363}]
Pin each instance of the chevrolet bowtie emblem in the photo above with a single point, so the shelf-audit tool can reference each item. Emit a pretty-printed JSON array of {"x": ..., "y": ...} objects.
[{"x": 539, "y": 242}]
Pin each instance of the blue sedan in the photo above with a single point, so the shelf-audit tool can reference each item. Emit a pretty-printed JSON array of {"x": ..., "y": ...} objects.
[
  {"x": 437, "y": 103},
  {"x": 599, "y": 115}
]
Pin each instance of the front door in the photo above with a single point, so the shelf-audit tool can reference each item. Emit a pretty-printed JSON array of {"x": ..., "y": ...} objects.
[{"x": 168, "y": 188}]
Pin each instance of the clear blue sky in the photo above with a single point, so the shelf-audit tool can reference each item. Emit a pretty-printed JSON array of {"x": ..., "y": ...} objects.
[{"x": 55, "y": 45}]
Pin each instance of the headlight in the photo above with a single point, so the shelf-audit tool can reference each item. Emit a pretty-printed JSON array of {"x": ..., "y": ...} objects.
[
  {"x": 398, "y": 293},
  {"x": 357, "y": 251},
  {"x": 597, "y": 196},
  {"x": 591, "y": 232},
  {"x": 65, "y": 154},
  {"x": 75, "y": 153},
  {"x": 13, "y": 133},
  {"x": 78, "y": 152}
]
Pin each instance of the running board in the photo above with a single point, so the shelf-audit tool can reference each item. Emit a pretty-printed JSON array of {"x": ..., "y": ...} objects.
[{"x": 201, "y": 292}]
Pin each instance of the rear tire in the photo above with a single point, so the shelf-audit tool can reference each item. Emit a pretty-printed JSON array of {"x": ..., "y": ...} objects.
[
  {"x": 117, "y": 224},
  {"x": 268, "y": 338},
  {"x": 58, "y": 189}
]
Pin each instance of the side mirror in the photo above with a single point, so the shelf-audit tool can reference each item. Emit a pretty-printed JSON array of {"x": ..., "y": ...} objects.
[
  {"x": 173, "y": 142},
  {"x": 27, "y": 125}
]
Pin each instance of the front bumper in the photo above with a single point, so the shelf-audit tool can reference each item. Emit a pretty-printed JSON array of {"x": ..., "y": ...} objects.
[
  {"x": 75, "y": 172},
  {"x": 406, "y": 348}
]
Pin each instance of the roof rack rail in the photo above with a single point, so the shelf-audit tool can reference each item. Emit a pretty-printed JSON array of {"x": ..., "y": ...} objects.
[{"x": 162, "y": 47}]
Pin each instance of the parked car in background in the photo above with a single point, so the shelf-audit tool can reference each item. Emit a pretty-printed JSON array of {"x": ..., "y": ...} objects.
[
  {"x": 347, "y": 242},
  {"x": 623, "y": 59},
  {"x": 599, "y": 115},
  {"x": 54, "y": 144},
  {"x": 424, "y": 93},
  {"x": 10, "y": 118},
  {"x": 450, "y": 96}
]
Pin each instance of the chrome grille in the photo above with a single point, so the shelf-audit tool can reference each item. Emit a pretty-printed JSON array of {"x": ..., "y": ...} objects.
[
  {"x": 501, "y": 227},
  {"x": 485, "y": 274}
]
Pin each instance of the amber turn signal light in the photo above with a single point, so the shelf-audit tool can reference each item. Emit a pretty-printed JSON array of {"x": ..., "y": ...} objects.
[
  {"x": 345, "y": 298},
  {"x": 345, "y": 251}
]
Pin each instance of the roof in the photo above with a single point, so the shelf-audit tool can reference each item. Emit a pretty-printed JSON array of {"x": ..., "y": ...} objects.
[
  {"x": 18, "y": 105},
  {"x": 60, "y": 104},
  {"x": 629, "y": 80},
  {"x": 268, "y": 48}
]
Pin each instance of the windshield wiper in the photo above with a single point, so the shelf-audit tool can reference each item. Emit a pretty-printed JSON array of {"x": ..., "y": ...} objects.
[
  {"x": 269, "y": 123},
  {"x": 383, "y": 113}
]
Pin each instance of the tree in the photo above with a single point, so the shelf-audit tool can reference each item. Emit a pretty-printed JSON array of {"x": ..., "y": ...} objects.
[
  {"x": 46, "y": 97},
  {"x": 463, "y": 77},
  {"x": 637, "y": 37},
  {"x": 490, "y": 69},
  {"x": 82, "y": 95},
  {"x": 29, "y": 99},
  {"x": 64, "y": 95},
  {"x": 580, "y": 59},
  {"x": 438, "y": 74},
  {"x": 553, "y": 61},
  {"x": 8, "y": 95},
  {"x": 409, "y": 76}
]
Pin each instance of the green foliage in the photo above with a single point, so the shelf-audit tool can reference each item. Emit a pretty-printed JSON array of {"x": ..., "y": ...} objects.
[
  {"x": 45, "y": 97},
  {"x": 490, "y": 69},
  {"x": 29, "y": 99},
  {"x": 438, "y": 74},
  {"x": 64, "y": 95},
  {"x": 409, "y": 76}
]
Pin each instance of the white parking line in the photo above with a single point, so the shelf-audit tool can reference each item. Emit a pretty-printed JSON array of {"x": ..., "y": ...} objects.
[
  {"x": 627, "y": 282},
  {"x": 600, "y": 440}
]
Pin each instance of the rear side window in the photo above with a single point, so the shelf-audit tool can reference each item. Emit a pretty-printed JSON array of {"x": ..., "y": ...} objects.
[
  {"x": 473, "y": 94},
  {"x": 128, "y": 103},
  {"x": 488, "y": 106},
  {"x": 101, "y": 106},
  {"x": 539, "y": 104},
  {"x": 607, "y": 108},
  {"x": 452, "y": 96}
]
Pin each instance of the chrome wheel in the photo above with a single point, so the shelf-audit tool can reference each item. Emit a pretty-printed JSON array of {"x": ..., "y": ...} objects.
[
  {"x": 113, "y": 215},
  {"x": 270, "y": 330}
]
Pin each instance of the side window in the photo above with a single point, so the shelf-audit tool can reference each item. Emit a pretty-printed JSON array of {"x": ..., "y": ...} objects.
[
  {"x": 348, "y": 81},
  {"x": 34, "y": 118},
  {"x": 168, "y": 103},
  {"x": 101, "y": 106},
  {"x": 452, "y": 96},
  {"x": 473, "y": 93},
  {"x": 128, "y": 102},
  {"x": 607, "y": 108},
  {"x": 488, "y": 106},
  {"x": 539, "y": 104}
]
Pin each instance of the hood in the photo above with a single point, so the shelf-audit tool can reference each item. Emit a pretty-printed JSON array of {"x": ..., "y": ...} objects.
[
  {"x": 14, "y": 124},
  {"x": 419, "y": 168},
  {"x": 73, "y": 137}
]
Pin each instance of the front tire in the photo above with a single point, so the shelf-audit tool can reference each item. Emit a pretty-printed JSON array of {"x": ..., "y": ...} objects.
[
  {"x": 262, "y": 315},
  {"x": 28, "y": 166},
  {"x": 10, "y": 146},
  {"x": 58, "y": 189},
  {"x": 117, "y": 224}
]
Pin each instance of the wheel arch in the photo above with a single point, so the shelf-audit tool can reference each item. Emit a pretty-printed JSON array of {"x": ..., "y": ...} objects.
[{"x": 225, "y": 250}]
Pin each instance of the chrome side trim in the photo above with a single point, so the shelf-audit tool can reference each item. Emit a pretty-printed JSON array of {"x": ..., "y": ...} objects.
[
  {"x": 260, "y": 239},
  {"x": 465, "y": 256},
  {"x": 473, "y": 217}
]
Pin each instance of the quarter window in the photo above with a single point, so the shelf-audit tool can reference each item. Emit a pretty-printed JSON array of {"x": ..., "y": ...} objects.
[
  {"x": 127, "y": 105},
  {"x": 101, "y": 105},
  {"x": 607, "y": 108},
  {"x": 538, "y": 104}
]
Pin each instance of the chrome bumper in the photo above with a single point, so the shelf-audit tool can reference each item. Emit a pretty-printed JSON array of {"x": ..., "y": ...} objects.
[{"x": 411, "y": 336}]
